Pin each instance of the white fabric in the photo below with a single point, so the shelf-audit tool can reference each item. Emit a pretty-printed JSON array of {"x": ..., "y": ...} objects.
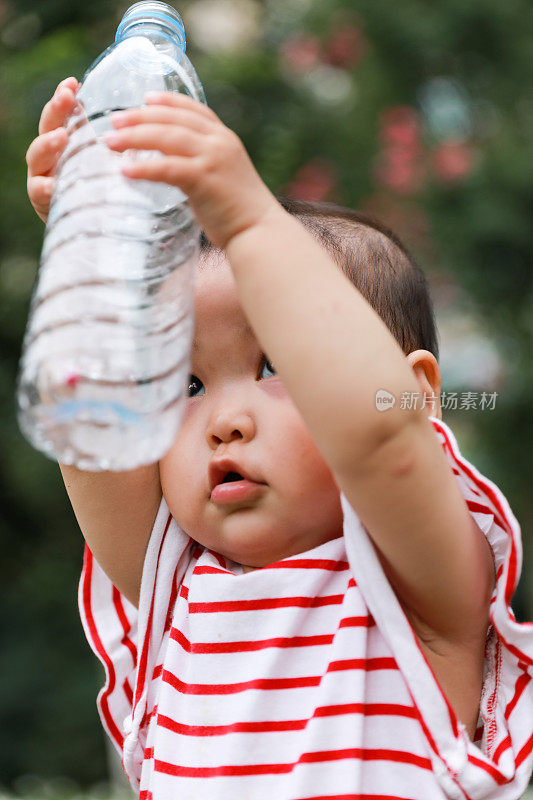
[{"x": 304, "y": 679}]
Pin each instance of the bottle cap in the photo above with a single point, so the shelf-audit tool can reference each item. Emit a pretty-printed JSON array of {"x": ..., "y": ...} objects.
[{"x": 153, "y": 13}]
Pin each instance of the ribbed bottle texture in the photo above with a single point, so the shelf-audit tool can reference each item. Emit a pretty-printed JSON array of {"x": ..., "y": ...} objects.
[{"x": 106, "y": 352}]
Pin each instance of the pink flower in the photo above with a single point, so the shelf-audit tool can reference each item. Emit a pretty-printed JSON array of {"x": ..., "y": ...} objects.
[
  {"x": 399, "y": 165},
  {"x": 315, "y": 181},
  {"x": 452, "y": 160},
  {"x": 398, "y": 169},
  {"x": 346, "y": 47},
  {"x": 400, "y": 125},
  {"x": 301, "y": 53}
]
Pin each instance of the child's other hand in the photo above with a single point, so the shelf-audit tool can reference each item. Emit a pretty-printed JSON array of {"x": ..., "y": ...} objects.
[
  {"x": 44, "y": 152},
  {"x": 202, "y": 157}
]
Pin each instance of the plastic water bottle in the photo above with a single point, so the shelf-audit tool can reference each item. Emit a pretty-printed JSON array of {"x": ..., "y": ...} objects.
[{"x": 105, "y": 357}]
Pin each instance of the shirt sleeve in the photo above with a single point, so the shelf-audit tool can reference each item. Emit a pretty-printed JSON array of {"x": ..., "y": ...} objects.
[
  {"x": 126, "y": 639},
  {"x": 497, "y": 765},
  {"x": 505, "y": 734}
]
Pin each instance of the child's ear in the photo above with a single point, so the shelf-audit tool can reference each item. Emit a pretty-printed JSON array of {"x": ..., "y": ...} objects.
[{"x": 427, "y": 372}]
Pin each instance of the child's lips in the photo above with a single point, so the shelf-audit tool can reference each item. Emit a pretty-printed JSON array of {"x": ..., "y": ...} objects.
[{"x": 236, "y": 491}]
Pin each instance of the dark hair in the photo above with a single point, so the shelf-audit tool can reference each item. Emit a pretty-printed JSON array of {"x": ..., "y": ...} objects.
[{"x": 378, "y": 265}]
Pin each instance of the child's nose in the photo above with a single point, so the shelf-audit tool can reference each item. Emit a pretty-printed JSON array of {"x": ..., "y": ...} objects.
[{"x": 228, "y": 424}]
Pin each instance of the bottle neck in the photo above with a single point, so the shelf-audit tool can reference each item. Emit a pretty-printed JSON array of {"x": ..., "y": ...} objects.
[
  {"x": 154, "y": 20},
  {"x": 162, "y": 37}
]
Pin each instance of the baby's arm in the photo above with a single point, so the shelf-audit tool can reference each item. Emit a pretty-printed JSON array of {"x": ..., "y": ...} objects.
[
  {"x": 333, "y": 353},
  {"x": 115, "y": 511}
]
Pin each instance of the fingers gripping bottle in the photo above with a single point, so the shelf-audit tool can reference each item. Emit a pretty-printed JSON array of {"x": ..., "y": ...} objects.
[{"x": 106, "y": 352}]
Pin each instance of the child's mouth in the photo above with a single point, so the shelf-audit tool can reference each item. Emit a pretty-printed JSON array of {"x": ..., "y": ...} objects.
[{"x": 235, "y": 488}]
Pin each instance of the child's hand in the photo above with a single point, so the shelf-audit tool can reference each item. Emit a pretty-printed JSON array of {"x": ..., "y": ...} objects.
[
  {"x": 202, "y": 157},
  {"x": 44, "y": 152}
]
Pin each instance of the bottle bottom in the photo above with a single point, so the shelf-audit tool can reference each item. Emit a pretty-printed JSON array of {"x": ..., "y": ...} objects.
[{"x": 98, "y": 436}]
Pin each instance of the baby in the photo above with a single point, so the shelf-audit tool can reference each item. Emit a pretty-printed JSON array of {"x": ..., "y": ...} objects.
[{"x": 308, "y": 597}]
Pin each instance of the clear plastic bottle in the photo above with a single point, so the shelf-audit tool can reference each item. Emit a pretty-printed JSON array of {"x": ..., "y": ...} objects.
[{"x": 106, "y": 353}]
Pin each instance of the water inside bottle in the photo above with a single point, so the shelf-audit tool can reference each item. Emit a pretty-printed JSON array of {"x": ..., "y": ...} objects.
[{"x": 106, "y": 353}]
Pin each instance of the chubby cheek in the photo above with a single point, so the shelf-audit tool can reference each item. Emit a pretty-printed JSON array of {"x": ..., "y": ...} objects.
[
  {"x": 180, "y": 482},
  {"x": 322, "y": 494},
  {"x": 305, "y": 459},
  {"x": 309, "y": 488}
]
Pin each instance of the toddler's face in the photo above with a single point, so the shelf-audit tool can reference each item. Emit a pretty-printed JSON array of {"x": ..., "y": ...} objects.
[{"x": 240, "y": 419}]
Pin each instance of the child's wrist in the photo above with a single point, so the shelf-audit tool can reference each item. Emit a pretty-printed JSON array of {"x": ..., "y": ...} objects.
[{"x": 262, "y": 226}]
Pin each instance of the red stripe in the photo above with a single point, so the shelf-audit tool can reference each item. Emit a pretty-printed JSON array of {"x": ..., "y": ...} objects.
[
  {"x": 368, "y": 709},
  {"x": 368, "y": 665},
  {"x": 511, "y": 574},
  {"x": 479, "y": 508},
  {"x": 235, "y": 727},
  {"x": 100, "y": 649},
  {"x": 521, "y": 656},
  {"x": 209, "y": 571},
  {"x": 126, "y": 627},
  {"x": 233, "y": 688},
  {"x": 128, "y": 691},
  {"x": 266, "y": 603},
  {"x": 184, "y": 592},
  {"x": 492, "y": 771},
  {"x": 219, "y": 558},
  {"x": 498, "y": 777},
  {"x": 141, "y": 676},
  {"x": 246, "y": 647},
  {"x": 524, "y": 752},
  {"x": 261, "y": 644},
  {"x": 356, "y": 797},
  {"x": 147, "y": 716},
  {"x": 520, "y": 685},
  {"x": 504, "y": 745},
  {"x": 172, "y": 600},
  {"x": 205, "y": 648},
  {"x": 157, "y": 671},
  {"x": 310, "y": 563},
  {"x": 458, "y": 472},
  {"x": 321, "y": 756},
  {"x": 357, "y": 622},
  {"x": 464, "y": 468},
  {"x": 293, "y": 563},
  {"x": 145, "y": 795}
]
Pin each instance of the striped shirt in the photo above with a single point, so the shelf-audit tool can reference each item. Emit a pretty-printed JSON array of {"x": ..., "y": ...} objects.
[{"x": 304, "y": 679}]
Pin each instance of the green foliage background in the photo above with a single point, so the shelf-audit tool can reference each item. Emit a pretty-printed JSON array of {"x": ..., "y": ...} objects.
[{"x": 314, "y": 118}]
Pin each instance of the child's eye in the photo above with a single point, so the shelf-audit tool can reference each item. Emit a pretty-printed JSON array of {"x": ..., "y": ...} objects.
[
  {"x": 196, "y": 386},
  {"x": 267, "y": 370}
]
